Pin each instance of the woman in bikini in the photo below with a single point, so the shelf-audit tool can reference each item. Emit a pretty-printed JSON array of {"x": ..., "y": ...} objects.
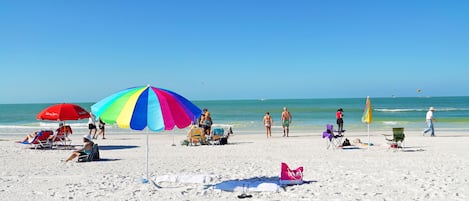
[{"x": 268, "y": 124}]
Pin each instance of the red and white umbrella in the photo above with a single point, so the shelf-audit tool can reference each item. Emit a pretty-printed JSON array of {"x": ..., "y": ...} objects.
[{"x": 63, "y": 112}]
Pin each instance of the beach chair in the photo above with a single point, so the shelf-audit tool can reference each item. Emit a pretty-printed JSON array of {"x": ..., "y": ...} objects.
[
  {"x": 333, "y": 140},
  {"x": 42, "y": 139},
  {"x": 62, "y": 136},
  {"x": 93, "y": 156},
  {"x": 220, "y": 135},
  {"x": 397, "y": 139},
  {"x": 196, "y": 135}
]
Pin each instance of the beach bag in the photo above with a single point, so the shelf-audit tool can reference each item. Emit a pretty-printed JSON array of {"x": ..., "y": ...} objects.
[
  {"x": 223, "y": 141},
  {"x": 346, "y": 143},
  {"x": 289, "y": 176}
]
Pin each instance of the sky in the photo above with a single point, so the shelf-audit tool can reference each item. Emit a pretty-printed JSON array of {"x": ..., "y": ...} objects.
[{"x": 83, "y": 51}]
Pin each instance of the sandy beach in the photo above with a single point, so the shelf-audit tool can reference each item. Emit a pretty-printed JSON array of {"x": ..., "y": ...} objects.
[{"x": 427, "y": 168}]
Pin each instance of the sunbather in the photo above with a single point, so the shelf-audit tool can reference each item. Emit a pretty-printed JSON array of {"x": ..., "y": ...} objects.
[
  {"x": 86, "y": 149},
  {"x": 30, "y": 137}
]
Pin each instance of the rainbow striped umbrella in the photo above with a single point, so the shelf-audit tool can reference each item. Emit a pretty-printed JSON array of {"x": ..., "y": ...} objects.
[{"x": 145, "y": 106}]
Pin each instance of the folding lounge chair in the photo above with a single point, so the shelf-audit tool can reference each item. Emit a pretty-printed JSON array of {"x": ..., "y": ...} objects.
[
  {"x": 61, "y": 136},
  {"x": 41, "y": 140},
  {"x": 217, "y": 133},
  {"x": 93, "y": 156},
  {"x": 196, "y": 135},
  {"x": 220, "y": 135},
  {"x": 398, "y": 137},
  {"x": 333, "y": 140}
]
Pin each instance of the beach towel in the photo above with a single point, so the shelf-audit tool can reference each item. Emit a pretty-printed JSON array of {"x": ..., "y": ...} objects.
[
  {"x": 194, "y": 179},
  {"x": 257, "y": 184}
]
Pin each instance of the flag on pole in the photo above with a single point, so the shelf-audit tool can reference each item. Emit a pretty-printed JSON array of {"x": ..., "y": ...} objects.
[
  {"x": 367, "y": 118},
  {"x": 367, "y": 112}
]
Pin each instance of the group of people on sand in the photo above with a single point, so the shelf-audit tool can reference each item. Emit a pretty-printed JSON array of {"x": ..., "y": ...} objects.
[
  {"x": 29, "y": 138},
  {"x": 87, "y": 141},
  {"x": 92, "y": 126},
  {"x": 205, "y": 121},
  {"x": 286, "y": 119}
]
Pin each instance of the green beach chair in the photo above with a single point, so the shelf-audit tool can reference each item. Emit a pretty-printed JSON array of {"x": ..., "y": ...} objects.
[{"x": 397, "y": 139}]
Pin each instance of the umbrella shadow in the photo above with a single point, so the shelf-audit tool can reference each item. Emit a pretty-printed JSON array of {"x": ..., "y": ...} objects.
[
  {"x": 236, "y": 143},
  {"x": 108, "y": 159},
  {"x": 116, "y": 147},
  {"x": 254, "y": 182},
  {"x": 412, "y": 149}
]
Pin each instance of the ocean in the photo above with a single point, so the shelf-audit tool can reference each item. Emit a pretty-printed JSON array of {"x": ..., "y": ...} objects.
[{"x": 245, "y": 116}]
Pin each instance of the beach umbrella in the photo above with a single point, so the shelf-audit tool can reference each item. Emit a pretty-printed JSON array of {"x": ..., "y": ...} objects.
[
  {"x": 148, "y": 107},
  {"x": 63, "y": 112},
  {"x": 367, "y": 116}
]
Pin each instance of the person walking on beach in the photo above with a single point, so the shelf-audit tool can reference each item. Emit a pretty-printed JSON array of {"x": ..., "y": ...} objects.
[
  {"x": 339, "y": 115},
  {"x": 268, "y": 124},
  {"x": 429, "y": 121},
  {"x": 92, "y": 125},
  {"x": 286, "y": 121},
  {"x": 101, "y": 126}
]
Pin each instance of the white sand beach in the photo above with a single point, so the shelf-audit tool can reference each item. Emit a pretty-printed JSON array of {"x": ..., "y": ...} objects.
[{"x": 428, "y": 168}]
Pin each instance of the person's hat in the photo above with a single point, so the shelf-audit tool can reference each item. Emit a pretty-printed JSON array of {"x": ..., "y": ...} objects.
[
  {"x": 88, "y": 137},
  {"x": 431, "y": 108},
  {"x": 340, "y": 109}
]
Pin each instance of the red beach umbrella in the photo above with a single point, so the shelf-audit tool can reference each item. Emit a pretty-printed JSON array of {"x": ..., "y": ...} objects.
[{"x": 63, "y": 112}]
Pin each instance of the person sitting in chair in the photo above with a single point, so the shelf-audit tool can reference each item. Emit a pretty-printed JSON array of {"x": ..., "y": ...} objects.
[{"x": 86, "y": 149}]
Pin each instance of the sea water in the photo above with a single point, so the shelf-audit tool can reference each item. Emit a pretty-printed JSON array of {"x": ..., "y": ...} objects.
[{"x": 245, "y": 116}]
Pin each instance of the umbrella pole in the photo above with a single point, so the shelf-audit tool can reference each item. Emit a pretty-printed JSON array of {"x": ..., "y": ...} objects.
[
  {"x": 369, "y": 141},
  {"x": 173, "y": 141},
  {"x": 147, "y": 156},
  {"x": 146, "y": 179}
]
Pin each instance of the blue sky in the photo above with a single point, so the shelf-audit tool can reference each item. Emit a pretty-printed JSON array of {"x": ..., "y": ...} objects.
[{"x": 82, "y": 51}]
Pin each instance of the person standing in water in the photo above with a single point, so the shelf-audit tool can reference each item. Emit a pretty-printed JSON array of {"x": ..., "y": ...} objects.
[
  {"x": 340, "y": 120},
  {"x": 268, "y": 124},
  {"x": 286, "y": 121}
]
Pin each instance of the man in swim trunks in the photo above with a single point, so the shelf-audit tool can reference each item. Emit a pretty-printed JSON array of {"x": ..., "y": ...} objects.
[
  {"x": 268, "y": 124},
  {"x": 286, "y": 121}
]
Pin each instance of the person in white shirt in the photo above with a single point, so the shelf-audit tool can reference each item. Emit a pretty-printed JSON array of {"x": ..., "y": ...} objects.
[
  {"x": 429, "y": 121},
  {"x": 92, "y": 125}
]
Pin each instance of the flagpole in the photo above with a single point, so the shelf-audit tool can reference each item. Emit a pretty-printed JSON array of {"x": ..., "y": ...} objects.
[{"x": 369, "y": 141}]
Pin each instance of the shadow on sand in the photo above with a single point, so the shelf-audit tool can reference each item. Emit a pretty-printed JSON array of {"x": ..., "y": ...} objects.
[
  {"x": 254, "y": 184},
  {"x": 116, "y": 147}
]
